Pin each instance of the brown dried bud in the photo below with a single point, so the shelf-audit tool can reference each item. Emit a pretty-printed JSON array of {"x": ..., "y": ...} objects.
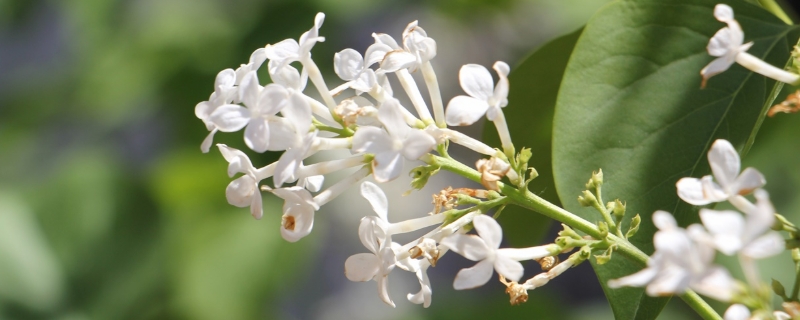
[
  {"x": 516, "y": 292},
  {"x": 790, "y": 105},
  {"x": 492, "y": 170},
  {"x": 548, "y": 263}
]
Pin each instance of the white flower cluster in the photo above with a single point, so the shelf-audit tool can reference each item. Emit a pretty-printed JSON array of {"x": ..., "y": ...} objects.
[
  {"x": 684, "y": 257},
  {"x": 380, "y": 134},
  {"x": 729, "y": 47}
]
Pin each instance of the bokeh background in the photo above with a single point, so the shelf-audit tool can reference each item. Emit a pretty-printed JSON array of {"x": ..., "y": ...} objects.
[{"x": 108, "y": 209}]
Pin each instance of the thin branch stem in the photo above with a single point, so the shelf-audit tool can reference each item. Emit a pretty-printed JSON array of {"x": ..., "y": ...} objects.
[
  {"x": 772, "y": 6},
  {"x": 528, "y": 200}
]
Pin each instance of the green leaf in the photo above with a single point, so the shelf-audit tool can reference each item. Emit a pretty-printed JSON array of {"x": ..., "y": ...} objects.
[
  {"x": 630, "y": 104},
  {"x": 531, "y": 103}
]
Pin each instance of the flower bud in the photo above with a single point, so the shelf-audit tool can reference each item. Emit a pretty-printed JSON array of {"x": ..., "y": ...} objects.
[
  {"x": 617, "y": 208},
  {"x": 778, "y": 288},
  {"x": 603, "y": 229},
  {"x": 587, "y": 199},
  {"x": 635, "y": 222}
]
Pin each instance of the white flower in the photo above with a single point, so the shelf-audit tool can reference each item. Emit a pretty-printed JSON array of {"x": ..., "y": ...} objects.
[
  {"x": 262, "y": 104},
  {"x": 243, "y": 191},
  {"x": 420, "y": 269},
  {"x": 300, "y": 140},
  {"x": 312, "y": 183},
  {"x": 374, "y": 234},
  {"x": 485, "y": 249},
  {"x": 725, "y": 44},
  {"x": 725, "y": 166},
  {"x": 732, "y": 233},
  {"x": 289, "y": 50},
  {"x": 224, "y": 93},
  {"x": 298, "y": 212},
  {"x": 678, "y": 263},
  {"x": 288, "y": 77},
  {"x": 391, "y": 145},
  {"x": 257, "y": 58},
  {"x": 737, "y": 312},
  {"x": 417, "y": 49},
  {"x": 484, "y": 97},
  {"x": 351, "y": 67}
]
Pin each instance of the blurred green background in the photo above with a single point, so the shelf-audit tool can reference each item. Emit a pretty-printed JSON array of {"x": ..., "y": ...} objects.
[{"x": 108, "y": 209}]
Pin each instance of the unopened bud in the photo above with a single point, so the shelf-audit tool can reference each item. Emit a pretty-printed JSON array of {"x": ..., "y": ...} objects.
[
  {"x": 548, "y": 263},
  {"x": 618, "y": 208},
  {"x": 595, "y": 181},
  {"x": 605, "y": 257},
  {"x": 603, "y": 229},
  {"x": 635, "y": 222},
  {"x": 587, "y": 199},
  {"x": 778, "y": 288}
]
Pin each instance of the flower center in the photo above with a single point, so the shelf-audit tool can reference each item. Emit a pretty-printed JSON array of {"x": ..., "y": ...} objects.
[{"x": 288, "y": 223}]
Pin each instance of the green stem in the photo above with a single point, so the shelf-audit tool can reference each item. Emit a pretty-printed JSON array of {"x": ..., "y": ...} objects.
[
  {"x": 699, "y": 305},
  {"x": 530, "y": 201},
  {"x": 342, "y": 132},
  {"x": 772, "y": 6},
  {"x": 796, "y": 287}
]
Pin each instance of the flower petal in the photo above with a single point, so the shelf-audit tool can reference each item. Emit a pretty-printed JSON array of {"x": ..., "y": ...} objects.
[
  {"x": 749, "y": 180},
  {"x": 765, "y": 246},
  {"x": 691, "y": 191},
  {"x": 361, "y": 267},
  {"x": 287, "y": 165},
  {"x": 416, "y": 144},
  {"x": 387, "y": 166},
  {"x": 639, "y": 279},
  {"x": 664, "y": 220},
  {"x": 723, "y": 12},
  {"x": 299, "y": 113},
  {"x": 474, "y": 277},
  {"x": 375, "y": 53},
  {"x": 509, "y": 268},
  {"x": 724, "y": 162},
  {"x": 726, "y": 226},
  {"x": 736, "y": 311},
  {"x": 237, "y": 160},
  {"x": 500, "y": 95},
  {"x": 240, "y": 191},
  {"x": 464, "y": 111},
  {"x": 208, "y": 141},
  {"x": 298, "y": 221},
  {"x": 670, "y": 280},
  {"x": 249, "y": 90},
  {"x": 376, "y": 198},
  {"x": 489, "y": 230},
  {"x": 392, "y": 119},
  {"x": 230, "y": 117},
  {"x": 371, "y": 140},
  {"x": 348, "y": 64},
  {"x": 469, "y": 246},
  {"x": 256, "y": 205},
  {"x": 396, "y": 60},
  {"x": 372, "y": 231},
  {"x": 716, "y": 67},
  {"x": 716, "y": 283},
  {"x": 313, "y": 183},
  {"x": 256, "y": 135},
  {"x": 476, "y": 81}
]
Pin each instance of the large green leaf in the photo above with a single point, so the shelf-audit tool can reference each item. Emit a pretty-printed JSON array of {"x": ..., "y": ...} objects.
[
  {"x": 531, "y": 104},
  {"x": 631, "y": 104}
]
